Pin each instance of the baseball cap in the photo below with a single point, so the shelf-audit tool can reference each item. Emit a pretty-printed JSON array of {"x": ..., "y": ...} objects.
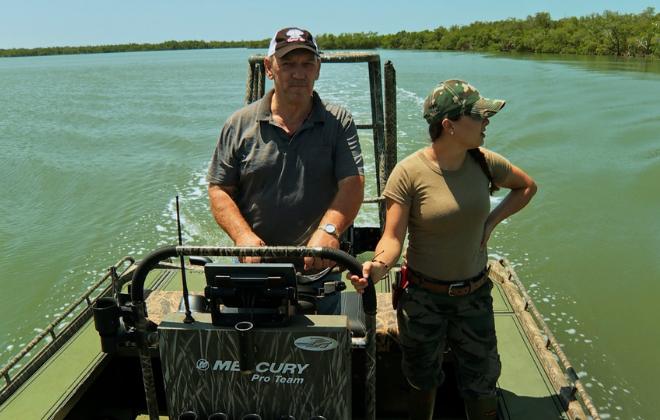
[
  {"x": 289, "y": 39},
  {"x": 454, "y": 97}
]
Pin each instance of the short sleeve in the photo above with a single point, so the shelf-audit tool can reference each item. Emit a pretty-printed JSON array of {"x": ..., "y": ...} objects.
[
  {"x": 223, "y": 169},
  {"x": 348, "y": 154},
  {"x": 499, "y": 166},
  {"x": 399, "y": 187}
]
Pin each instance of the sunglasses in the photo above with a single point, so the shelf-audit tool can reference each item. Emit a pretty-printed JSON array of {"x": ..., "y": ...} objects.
[{"x": 475, "y": 118}]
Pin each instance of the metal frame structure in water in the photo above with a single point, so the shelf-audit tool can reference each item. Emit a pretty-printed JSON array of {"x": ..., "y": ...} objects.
[{"x": 383, "y": 109}]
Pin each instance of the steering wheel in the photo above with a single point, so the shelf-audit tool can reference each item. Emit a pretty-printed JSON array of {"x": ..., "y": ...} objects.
[{"x": 340, "y": 257}]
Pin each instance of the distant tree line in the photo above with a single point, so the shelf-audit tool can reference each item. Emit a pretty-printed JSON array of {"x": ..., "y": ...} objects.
[
  {"x": 609, "y": 33},
  {"x": 167, "y": 45}
]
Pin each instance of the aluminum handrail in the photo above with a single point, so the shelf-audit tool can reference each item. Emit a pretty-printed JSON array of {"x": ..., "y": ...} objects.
[{"x": 50, "y": 331}]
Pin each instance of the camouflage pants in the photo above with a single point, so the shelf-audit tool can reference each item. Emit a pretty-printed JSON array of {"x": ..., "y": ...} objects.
[{"x": 429, "y": 322}]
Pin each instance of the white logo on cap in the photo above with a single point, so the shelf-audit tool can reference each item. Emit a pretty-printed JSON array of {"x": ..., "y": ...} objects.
[{"x": 295, "y": 35}]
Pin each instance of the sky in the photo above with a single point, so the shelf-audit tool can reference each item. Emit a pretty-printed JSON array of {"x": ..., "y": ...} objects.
[{"x": 46, "y": 23}]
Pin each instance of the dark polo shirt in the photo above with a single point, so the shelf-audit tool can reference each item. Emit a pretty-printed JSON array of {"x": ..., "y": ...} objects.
[{"x": 285, "y": 185}]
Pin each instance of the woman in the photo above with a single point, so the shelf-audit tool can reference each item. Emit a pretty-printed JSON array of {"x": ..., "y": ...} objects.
[{"x": 440, "y": 194}]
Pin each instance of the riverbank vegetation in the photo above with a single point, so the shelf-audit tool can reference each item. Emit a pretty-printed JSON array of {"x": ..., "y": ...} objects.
[
  {"x": 167, "y": 45},
  {"x": 607, "y": 34}
]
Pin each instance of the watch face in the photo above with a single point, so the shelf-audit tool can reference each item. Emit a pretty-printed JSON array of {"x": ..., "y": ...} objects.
[{"x": 330, "y": 228}]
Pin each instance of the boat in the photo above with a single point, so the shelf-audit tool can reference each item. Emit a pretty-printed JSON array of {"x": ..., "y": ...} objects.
[{"x": 185, "y": 334}]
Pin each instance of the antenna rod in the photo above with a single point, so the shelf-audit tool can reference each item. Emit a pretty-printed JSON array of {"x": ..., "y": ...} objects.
[{"x": 188, "y": 319}]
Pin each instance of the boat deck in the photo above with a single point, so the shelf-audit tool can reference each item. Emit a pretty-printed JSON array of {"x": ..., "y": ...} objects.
[{"x": 524, "y": 385}]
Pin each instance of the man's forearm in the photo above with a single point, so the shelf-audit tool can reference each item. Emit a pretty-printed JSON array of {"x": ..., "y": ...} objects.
[
  {"x": 346, "y": 204},
  {"x": 227, "y": 215},
  {"x": 341, "y": 213}
]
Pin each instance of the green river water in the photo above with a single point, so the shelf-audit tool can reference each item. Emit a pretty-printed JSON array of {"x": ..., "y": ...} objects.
[{"x": 94, "y": 149}]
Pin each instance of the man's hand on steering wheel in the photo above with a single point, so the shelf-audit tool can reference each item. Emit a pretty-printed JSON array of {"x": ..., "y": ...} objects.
[
  {"x": 249, "y": 239},
  {"x": 322, "y": 239}
]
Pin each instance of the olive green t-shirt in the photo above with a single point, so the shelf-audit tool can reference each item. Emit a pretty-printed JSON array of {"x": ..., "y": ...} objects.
[{"x": 448, "y": 210}]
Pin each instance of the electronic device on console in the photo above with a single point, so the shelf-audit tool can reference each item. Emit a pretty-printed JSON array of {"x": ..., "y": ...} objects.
[{"x": 264, "y": 294}]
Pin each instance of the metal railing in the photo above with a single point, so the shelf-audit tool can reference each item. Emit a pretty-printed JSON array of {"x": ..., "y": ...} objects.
[
  {"x": 58, "y": 339},
  {"x": 567, "y": 394}
]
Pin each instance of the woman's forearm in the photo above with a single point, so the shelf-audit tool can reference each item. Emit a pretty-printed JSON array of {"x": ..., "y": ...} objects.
[{"x": 515, "y": 201}]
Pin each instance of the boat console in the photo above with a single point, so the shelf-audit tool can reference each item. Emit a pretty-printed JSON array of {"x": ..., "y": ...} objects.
[{"x": 252, "y": 355}]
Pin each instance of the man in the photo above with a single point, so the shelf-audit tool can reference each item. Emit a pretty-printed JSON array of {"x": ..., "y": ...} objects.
[{"x": 287, "y": 169}]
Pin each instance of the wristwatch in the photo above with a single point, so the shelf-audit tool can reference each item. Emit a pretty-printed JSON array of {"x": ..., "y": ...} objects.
[{"x": 330, "y": 229}]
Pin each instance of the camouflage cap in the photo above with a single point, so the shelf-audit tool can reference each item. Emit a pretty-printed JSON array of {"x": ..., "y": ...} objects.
[{"x": 452, "y": 98}]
